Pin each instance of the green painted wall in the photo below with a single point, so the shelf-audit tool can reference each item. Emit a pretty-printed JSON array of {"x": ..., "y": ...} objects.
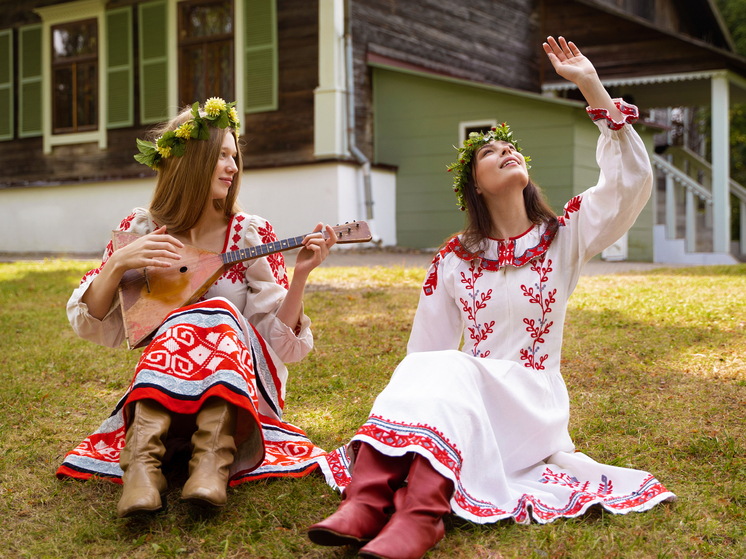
[{"x": 416, "y": 121}]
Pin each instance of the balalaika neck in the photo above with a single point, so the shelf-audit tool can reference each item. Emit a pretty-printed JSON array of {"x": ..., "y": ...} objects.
[{"x": 235, "y": 256}]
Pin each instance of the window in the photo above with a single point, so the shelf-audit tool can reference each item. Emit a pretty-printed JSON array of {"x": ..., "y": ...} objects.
[
  {"x": 205, "y": 50},
  {"x": 481, "y": 126},
  {"x": 75, "y": 76}
]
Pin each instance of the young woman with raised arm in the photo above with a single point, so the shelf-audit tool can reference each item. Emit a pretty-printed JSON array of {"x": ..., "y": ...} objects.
[{"x": 482, "y": 431}]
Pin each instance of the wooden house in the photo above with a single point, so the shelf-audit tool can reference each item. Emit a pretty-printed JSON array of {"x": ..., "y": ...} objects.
[{"x": 350, "y": 108}]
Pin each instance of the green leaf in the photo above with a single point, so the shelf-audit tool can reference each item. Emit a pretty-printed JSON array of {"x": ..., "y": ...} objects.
[
  {"x": 200, "y": 130},
  {"x": 145, "y": 147},
  {"x": 178, "y": 147},
  {"x": 223, "y": 121},
  {"x": 195, "y": 109}
]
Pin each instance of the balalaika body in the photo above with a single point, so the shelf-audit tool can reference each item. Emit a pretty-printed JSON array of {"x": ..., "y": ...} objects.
[{"x": 149, "y": 294}]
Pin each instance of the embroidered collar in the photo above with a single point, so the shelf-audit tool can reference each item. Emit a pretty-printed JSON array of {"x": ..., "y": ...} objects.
[{"x": 515, "y": 251}]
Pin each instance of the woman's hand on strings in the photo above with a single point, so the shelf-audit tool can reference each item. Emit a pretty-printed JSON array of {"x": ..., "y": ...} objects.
[
  {"x": 315, "y": 249},
  {"x": 157, "y": 249},
  {"x": 568, "y": 61}
]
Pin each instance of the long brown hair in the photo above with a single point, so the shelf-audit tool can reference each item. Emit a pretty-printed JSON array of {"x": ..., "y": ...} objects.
[
  {"x": 184, "y": 184},
  {"x": 479, "y": 222}
]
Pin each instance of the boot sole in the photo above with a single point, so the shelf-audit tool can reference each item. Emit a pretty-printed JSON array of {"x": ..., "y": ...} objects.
[
  {"x": 202, "y": 503},
  {"x": 327, "y": 537},
  {"x": 144, "y": 512}
]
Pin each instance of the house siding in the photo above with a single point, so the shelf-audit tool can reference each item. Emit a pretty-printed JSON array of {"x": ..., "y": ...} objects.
[
  {"x": 416, "y": 124},
  {"x": 479, "y": 40}
]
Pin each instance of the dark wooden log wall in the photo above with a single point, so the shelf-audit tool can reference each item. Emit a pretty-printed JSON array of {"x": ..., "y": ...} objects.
[
  {"x": 271, "y": 138},
  {"x": 481, "y": 40},
  {"x": 285, "y": 136},
  {"x": 623, "y": 47}
]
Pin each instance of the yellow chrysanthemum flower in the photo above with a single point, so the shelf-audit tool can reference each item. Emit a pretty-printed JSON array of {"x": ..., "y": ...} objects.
[
  {"x": 184, "y": 131},
  {"x": 165, "y": 151},
  {"x": 233, "y": 114},
  {"x": 213, "y": 106}
]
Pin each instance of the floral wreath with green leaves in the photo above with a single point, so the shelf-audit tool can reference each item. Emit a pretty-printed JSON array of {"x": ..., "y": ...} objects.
[
  {"x": 476, "y": 140},
  {"x": 218, "y": 113}
]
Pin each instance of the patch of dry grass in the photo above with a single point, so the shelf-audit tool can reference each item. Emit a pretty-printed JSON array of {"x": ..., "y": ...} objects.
[{"x": 655, "y": 366}]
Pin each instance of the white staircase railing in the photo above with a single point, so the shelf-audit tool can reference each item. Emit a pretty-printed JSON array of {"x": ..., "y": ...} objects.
[{"x": 674, "y": 174}]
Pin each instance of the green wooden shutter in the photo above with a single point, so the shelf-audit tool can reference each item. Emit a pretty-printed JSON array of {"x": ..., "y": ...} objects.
[
  {"x": 120, "y": 105},
  {"x": 152, "y": 21},
  {"x": 260, "y": 55},
  {"x": 6, "y": 84},
  {"x": 29, "y": 81}
]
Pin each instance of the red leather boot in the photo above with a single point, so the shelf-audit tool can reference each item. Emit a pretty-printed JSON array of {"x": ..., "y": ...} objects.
[
  {"x": 362, "y": 514},
  {"x": 417, "y": 524}
]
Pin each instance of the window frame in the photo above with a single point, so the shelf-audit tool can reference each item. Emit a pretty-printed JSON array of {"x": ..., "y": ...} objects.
[
  {"x": 468, "y": 124},
  {"x": 68, "y": 13},
  {"x": 74, "y": 62},
  {"x": 192, "y": 41}
]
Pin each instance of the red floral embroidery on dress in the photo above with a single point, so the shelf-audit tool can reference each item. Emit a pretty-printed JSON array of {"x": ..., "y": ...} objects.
[
  {"x": 404, "y": 435},
  {"x": 276, "y": 261},
  {"x": 432, "y": 279},
  {"x": 506, "y": 252},
  {"x": 571, "y": 207},
  {"x": 630, "y": 114},
  {"x": 127, "y": 222},
  {"x": 566, "y": 480},
  {"x": 605, "y": 487},
  {"x": 236, "y": 272},
  {"x": 544, "y": 300},
  {"x": 479, "y": 332}
]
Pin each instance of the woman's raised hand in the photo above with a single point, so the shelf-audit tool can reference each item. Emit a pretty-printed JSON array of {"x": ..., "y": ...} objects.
[
  {"x": 156, "y": 249},
  {"x": 315, "y": 250},
  {"x": 568, "y": 61}
]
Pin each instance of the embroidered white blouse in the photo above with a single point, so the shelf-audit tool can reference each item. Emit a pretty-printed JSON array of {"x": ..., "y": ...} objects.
[
  {"x": 255, "y": 287},
  {"x": 511, "y": 302}
]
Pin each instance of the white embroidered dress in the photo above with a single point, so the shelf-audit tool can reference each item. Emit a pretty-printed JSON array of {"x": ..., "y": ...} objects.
[{"x": 493, "y": 417}]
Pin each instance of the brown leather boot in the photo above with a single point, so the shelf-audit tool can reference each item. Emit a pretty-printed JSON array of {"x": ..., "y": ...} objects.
[
  {"x": 362, "y": 513},
  {"x": 140, "y": 459},
  {"x": 214, "y": 449},
  {"x": 417, "y": 524}
]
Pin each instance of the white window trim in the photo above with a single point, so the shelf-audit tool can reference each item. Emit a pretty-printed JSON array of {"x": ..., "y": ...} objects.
[
  {"x": 65, "y": 13},
  {"x": 462, "y": 126}
]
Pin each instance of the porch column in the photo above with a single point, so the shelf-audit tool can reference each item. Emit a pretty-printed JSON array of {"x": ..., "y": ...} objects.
[
  {"x": 329, "y": 122},
  {"x": 720, "y": 164}
]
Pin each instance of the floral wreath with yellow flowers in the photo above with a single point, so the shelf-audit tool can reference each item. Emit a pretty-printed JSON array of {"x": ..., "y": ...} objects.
[
  {"x": 476, "y": 140},
  {"x": 217, "y": 113}
]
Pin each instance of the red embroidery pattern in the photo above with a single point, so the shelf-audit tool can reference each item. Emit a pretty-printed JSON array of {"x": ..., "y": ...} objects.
[
  {"x": 563, "y": 479},
  {"x": 403, "y": 435},
  {"x": 605, "y": 487},
  {"x": 478, "y": 332},
  {"x": 432, "y": 280},
  {"x": 506, "y": 253},
  {"x": 630, "y": 114},
  {"x": 538, "y": 331},
  {"x": 236, "y": 272},
  {"x": 572, "y": 206},
  {"x": 337, "y": 466},
  {"x": 276, "y": 261}
]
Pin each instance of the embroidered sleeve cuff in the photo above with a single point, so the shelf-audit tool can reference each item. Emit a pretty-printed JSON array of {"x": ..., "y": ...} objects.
[{"x": 630, "y": 114}]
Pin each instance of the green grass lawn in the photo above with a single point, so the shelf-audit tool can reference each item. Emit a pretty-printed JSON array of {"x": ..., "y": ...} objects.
[{"x": 655, "y": 365}]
